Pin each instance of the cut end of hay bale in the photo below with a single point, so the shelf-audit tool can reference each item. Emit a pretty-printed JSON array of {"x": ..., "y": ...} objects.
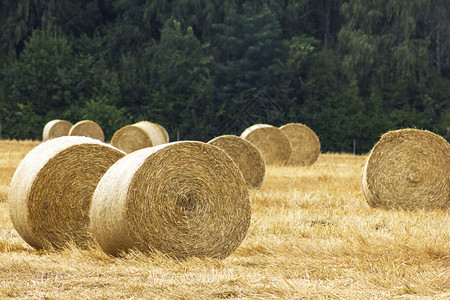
[
  {"x": 56, "y": 128},
  {"x": 138, "y": 136},
  {"x": 271, "y": 141},
  {"x": 87, "y": 128},
  {"x": 304, "y": 142},
  {"x": 182, "y": 199},
  {"x": 408, "y": 169},
  {"x": 247, "y": 157},
  {"x": 50, "y": 192}
]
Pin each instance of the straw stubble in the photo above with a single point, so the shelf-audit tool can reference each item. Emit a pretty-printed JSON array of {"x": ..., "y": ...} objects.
[{"x": 182, "y": 199}]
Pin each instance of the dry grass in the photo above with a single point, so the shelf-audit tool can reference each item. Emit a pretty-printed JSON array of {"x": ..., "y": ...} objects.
[{"x": 312, "y": 236}]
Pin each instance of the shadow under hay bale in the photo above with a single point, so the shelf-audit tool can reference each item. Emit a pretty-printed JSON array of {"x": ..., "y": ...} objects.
[
  {"x": 138, "y": 136},
  {"x": 408, "y": 169},
  {"x": 51, "y": 190},
  {"x": 56, "y": 128},
  {"x": 87, "y": 128},
  {"x": 248, "y": 158},
  {"x": 182, "y": 199},
  {"x": 271, "y": 141},
  {"x": 304, "y": 142}
]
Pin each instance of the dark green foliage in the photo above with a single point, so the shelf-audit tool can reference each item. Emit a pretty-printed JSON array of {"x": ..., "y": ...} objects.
[{"x": 349, "y": 69}]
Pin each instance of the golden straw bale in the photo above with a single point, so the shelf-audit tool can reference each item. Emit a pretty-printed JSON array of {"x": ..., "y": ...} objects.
[
  {"x": 248, "y": 158},
  {"x": 305, "y": 144},
  {"x": 87, "y": 128},
  {"x": 137, "y": 136},
  {"x": 408, "y": 169},
  {"x": 271, "y": 141},
  {"x": 164, "y": 132},
  {"x": 182, "y": 199},
  {"x": 51, "y": 190},
  {"x": 56, "y": 128}
]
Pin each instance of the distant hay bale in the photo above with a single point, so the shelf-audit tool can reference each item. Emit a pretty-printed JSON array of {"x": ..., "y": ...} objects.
[
  {"x": 248, "y": 158},
  {"x": 137, "y": 136},
  {"x": 50, "y": 192},
  {"x": 408, "y": 169},
  {"x": 182, "y": 199},
  {"x": 304, "y": 142},
  {"x": 164, "y": 132},
  {"x": 87, "y": 128},
  {"x": 271, "y": 141},
  {"x": 56, "y": 128}
]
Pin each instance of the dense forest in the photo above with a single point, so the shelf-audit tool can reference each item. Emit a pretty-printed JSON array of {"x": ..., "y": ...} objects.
[{"x": 350, "y": 70}]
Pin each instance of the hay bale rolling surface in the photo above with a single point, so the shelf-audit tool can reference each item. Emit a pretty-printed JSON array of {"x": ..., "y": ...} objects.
[
  {"x": 50, "y": 192},
  {"x": 305, "y": 144},
  {"x": 271, "y": 141},
  {"x": 408, "y": 169},
  {"x": 182, "y": 199},
  {"x": 87, "y": 128},
  {"x": 137, "y": 136},
  {"x": 56, "y": 128},
  {"x": 248, "y": 158}
]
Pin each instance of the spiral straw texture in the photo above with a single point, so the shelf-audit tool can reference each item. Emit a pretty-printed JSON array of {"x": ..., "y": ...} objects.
[
  {"x": 305, "y": 144},
  {"x": 248, "y": 158},
  {"x": 408, "y": 169},
  {"x": 271, "y": 141},
  {"x": 139, "y": 135},
  {"x": 50, "y": 192},
  {"x": 87, "y": 128},
  {"x": 182, "y": 199},
  {"x": 56, "y": 128}
]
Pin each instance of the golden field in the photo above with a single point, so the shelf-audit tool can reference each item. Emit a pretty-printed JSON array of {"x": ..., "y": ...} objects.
[{"x": 312, "y": 236}]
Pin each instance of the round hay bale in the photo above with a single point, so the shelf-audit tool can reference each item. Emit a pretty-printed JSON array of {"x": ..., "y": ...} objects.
[
  {"x": 50, "y": 192},
  {"x": 182, "y": 199},
  {"x": 248, "y": 158},
  {"x": 408, "y": 169},
  {"x": 56, "y": 128},
  {"x": 164, "y": 132},
  {"x": 304, "y": 142},
  {"x": 271, "y": 141},
  {"x": 137, "y": 136},
  {"x": 87, "y": 128}
]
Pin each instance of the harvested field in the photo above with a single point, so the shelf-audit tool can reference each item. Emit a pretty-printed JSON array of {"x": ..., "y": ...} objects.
[{"x": 312, "y": 235}]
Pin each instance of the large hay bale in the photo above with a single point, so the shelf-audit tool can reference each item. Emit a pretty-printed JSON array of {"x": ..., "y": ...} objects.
[
  {"x": 87, "y": 128},
  {"x": 408, "y": 169},
  {"x": 182, "y": 199},
  {"x": 56, "y": 128},
  {"x": 248, "y": 158},
  {"x": 271, "y": 141},
  {"x": 137, "y": 136},
  {"x": 51, "y": 190},
  {"x": 304, "y": 142}
]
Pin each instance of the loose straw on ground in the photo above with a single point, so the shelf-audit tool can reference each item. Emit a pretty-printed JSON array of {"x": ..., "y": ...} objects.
[
  {"x": 181, "y": 199},
  {"x": 56, "y": 128},
  {"x": 305, "y": 144},
  {"x": 87, "y": 128},
  {"x": 50, "y": 192},
  {"x": 139, "y": 135},
  {"x": 248, "y": 158},
  {"x": 271, "y": 141},
  {"x": 408, "y": 169}
]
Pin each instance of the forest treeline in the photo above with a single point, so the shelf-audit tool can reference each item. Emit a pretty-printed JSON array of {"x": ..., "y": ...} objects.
[{"x": 350, "y": 70}]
